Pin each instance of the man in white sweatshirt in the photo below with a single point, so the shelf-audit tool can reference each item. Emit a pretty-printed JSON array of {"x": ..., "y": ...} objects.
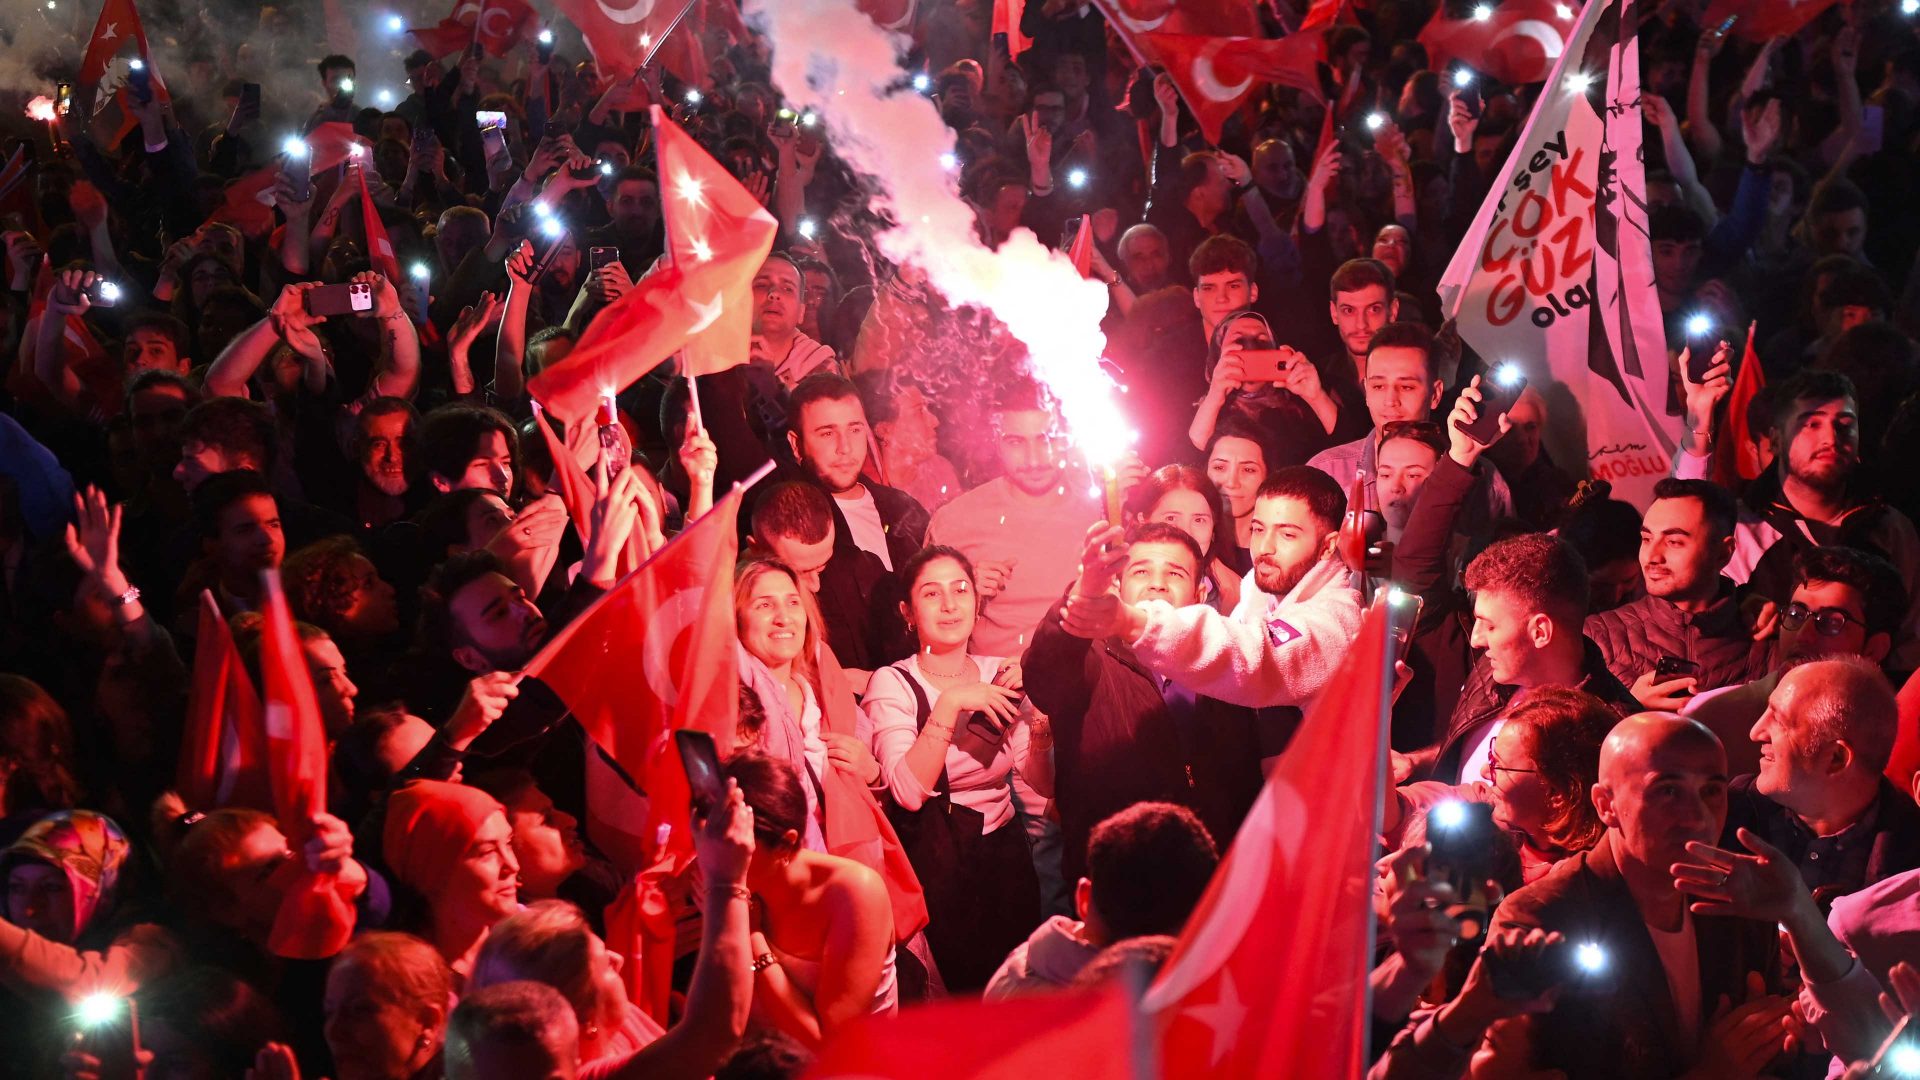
[{"x": 1298, "y": 610}]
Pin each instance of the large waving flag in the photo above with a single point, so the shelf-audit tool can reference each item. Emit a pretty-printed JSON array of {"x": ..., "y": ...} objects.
[
  {"x": 1091, "y": 1033},
  {"x": 104, "y": 70},
  {"x": 1556, "y": 273},
  {"x": 1270, "y": 976},
  {"x": 316, "y": 913},
  {"x": 1216, "y": 75},
  {"x": 379, "y": 244},
  {"x": 622, "y": 33},
  {"x": 1517, "y": 42},
  {"x": 718, "y": 234},
  {"x": 497, "y": 25},
  {"x": 1735, "y": 458},
  {"x": 223, "y": 755},
  {"x": 1208, "y": 18}
]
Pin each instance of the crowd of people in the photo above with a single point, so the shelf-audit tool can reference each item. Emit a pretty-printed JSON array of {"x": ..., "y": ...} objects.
[{"x": 1683, "y": 737}]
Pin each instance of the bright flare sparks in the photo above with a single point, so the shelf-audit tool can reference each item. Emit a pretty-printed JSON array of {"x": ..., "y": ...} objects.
[{"x": 41, "y": 108}]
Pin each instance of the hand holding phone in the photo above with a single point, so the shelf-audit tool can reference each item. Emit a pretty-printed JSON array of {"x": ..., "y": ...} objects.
[
  {"x": 701, "y": 762},
  {"x": 1461, "y": 836},
  {"x": 1498, "y": 393},
  {"x": 347, "y": 298},
  {"x": 1267, "y": 365}
]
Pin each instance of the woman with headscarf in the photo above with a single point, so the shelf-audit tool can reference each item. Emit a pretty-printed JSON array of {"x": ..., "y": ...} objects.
[
  {"x": 1297, "y": 414},
  {"x": 452, "y": 846}
]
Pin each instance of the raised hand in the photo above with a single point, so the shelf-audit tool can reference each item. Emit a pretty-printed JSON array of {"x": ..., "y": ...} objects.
[
  {"x": 475, "y": 319},
  {"x": 1764, "y": 885},
  {"x": 93, "y": 542},
  {"x": 1704, "y": 397}
]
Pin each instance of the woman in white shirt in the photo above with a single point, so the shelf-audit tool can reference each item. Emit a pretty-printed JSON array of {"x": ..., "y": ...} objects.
[{"x": 950, "y": 730}]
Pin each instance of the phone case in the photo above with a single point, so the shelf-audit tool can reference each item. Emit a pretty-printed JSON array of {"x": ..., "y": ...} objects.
[
  {"x": 1265, "y": 365},
  {"x": 1494, "y": 401},
  {"x": 330, "y": 300}
]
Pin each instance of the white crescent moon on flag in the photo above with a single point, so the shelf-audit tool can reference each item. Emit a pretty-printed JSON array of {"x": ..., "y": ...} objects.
[
  {"x": 460, "y": 12},
  {"x": 1119, "y": 11},
  {"x": 1277, "y": 818},
  {"x": 1544, "y": 33},
  {"x": 638, "y": 13},
  {"x": 486, "y": 17},
  {"x": 663, "y": 632},
  {"x": 1208, "y": 81}
]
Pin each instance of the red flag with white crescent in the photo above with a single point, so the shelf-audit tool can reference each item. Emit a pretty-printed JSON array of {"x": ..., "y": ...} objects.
[
  {"x": 1517, "y": 42},
  {"x": 223, "y": 756},
  {"x": 1216, "y": 75},
  {"x": 1735, "y": 458},
  {"x": 1270, "y": 975},
  {"x": 498, "y": 25},
  {"x": 108, "y": 73},
  {"x": 619, "y": 34},
  {"x": 1208, "y": 18},
  {"x": 718, "y": 234}
]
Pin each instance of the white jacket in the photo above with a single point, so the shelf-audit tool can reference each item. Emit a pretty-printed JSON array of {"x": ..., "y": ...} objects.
[{"x": 1268, "y": 652}]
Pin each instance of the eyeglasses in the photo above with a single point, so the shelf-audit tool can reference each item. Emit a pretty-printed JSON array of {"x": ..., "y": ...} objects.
[
  {"x": 1827, "y": 622},
  {"x": 1494, "y": 768}
]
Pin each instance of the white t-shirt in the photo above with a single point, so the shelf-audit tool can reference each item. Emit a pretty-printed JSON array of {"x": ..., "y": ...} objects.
[
  {"x": 1680, "y": 955},
  {"x": 863, "y": 521}
]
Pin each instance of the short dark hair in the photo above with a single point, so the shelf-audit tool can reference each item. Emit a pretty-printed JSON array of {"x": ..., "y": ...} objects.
[
  {"x": 1234, "y": 427},
  {"x": 635, "y": 172},
  {"x": 1223, "y": 255},
  {"x": 792, "y": 508},
  {"x": 333, "y": 60},
  {"x": 1159, "y": 532},
  {"x": 819, "y": 386},
  {"x": 1326, "y": 503},
  {"x": 436, "y": 631},
  {"x": 234, "y": 426},
  {"x": 523, "y": 1012},
  {"x": 152, "y": 377},
  {"x": 1149, "y": 865},
  {"x": 416, "y": 60},
  {"x": 910, "y": 570},
  {"x": 175, "y": 330},
  {"x": 1543, "y": 573},
  {"x": 1405, "y": 335},
  {"x": 450, "y": 434},
  {"x": 221, "y": 490},
  {"x": 1872, "y": 576},
  {"x": 1721, "y": 508},
  {"x": 1807, "y": 384},
  {"x": 1357, "y": 274},
  {"x": 771, "y": 788},
  {"x": 1425, "y": 432},
  {"x": 1836, "y": 197},
  {"x": 1675, "y": 223}
]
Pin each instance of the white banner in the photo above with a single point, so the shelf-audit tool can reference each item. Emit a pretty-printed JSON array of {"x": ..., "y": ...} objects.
[{"x": 1557, "y": 272}]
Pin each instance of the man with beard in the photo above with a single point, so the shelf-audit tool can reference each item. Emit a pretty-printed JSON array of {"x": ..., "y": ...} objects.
[
  {"x": 633, "y": 202},
  {"x": 1298, "y": 611},
  {"x": 1690, "y": 610},
  {"x": 1012, "y": 527},
  {"x": 779, "y": 300},
  {"x": 1845, "y": 603},
  {"x": 1401, "y": 384},
  {"x": 1145, "y": 259},
  {"x": 1659, "y": 1007},
  {"x": 383, "y": 437},
  {"x": 1814, "y": 494}
]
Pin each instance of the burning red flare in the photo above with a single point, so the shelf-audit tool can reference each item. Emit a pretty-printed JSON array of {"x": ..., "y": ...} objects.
[{"x": 41, "y": 109}]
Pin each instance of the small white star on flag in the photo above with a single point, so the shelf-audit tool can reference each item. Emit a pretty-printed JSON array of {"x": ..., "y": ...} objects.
[
  {"x": 109, "y": 33},
  {"x": 702, "y": 251},
  {"x": 688, "y": 187},
  {"x": 708, "y": 313}
]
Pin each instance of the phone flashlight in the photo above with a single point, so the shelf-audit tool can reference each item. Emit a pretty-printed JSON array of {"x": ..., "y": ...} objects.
[
  {"x": 1909, "y": 7},
  {"x": 541, "y": 210},
  {"x": 1076, "y": 178},
  {"x": 1449, "y": 815},
  {"x": 137, "y": 64},
  {"x": 808, "y": 228},
  {"x": 546, "y": 37},
  {"x": 693, "y": 97},
  {"x": 606, "y": 168},
  {"x": 1699, "y": 324},
  {"x": 1376, "y": 121},
  {"x": 1508, "y": 375},
  {"x": 109, "y": 293},
  {"x": 345, "y": 85},
  {"x": 294, "y": 147},
  {"x": 99, "y": 1010},
  {"x": 1463, "y": 77},
  {"x": 922, "y": 82},
  {"x": 809, "y": 118},
  {"x": 1590, "y": 958},
  {"x": 383, "y": 97},
  {"x": 552, "y": 227},
  {"x": 420, "y": 271},
  {"x": 949, "y": 161},
  {"x": 1482, "y": 12},
  {"x": 396, "y": 24}
]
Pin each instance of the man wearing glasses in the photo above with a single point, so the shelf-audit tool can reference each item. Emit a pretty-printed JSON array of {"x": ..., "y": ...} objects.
[{"x": 1845, "y": 602}]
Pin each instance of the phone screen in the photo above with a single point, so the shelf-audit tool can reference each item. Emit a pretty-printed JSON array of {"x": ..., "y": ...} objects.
[{"x": 702, "y": 764}]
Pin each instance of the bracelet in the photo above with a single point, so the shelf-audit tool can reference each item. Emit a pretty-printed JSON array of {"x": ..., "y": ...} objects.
[
  {"x": 737, "y": 892},
  {"x": 131, "y": 596},
  {"x": 762, "y": 962}
]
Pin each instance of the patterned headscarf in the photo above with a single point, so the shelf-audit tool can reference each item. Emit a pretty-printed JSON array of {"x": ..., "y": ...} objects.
[{"x": 88, "y": 847}]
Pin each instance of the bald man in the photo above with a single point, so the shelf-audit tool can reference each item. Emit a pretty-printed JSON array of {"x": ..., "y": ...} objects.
[
  {"x": 1821, "y": 795},
  {"x": 1656, "y": 1010}
]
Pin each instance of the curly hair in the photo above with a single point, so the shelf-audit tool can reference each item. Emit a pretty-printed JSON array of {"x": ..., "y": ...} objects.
[
  {"x": 36, "y": 736},
  {"x": 321, "y": 581},
  {"x": 1567, "y": 727},
  {"x": 1542, "y": 573}
]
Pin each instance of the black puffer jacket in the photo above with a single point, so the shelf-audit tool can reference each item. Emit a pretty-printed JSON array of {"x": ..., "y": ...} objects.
[{"x": 1633, "y": 637}]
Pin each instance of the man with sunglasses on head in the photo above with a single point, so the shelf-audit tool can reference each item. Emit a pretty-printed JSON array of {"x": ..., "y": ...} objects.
[{"x": 1845, "y": 602}]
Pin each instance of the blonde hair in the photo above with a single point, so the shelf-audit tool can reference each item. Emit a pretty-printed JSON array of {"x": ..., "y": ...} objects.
[{"x": 749, "y": 572}]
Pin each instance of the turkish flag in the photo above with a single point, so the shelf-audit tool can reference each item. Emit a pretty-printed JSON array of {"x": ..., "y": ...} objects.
[
  {"x": 379, "y": 244},
  {"x": 117, "y": 28},
  {"x": 17, "y": 208},
  {"x": 316, "y": 913},
  {"x": 718, "y": 234},
  {"x": 1762, "y": 19},
  {"x": 619, "y": 34},
  {"x": 1734, "y": 457},
  {"x": 627, "y": 339},
  {"x": 1080, "y": 252},
  {"x": 1270, "y": 975},
  {"x": 223, "y": 755},
  {"x": 498, "y": 25},
  {"x": 1216, "y": 75},
  {"x": 1006, "y": 20},
  {"x": 670, "y": 623},
  {"x": 1516, "y": 43},
  {"x": 1063, "y": 1033},
  {"x": 1322, "y": 14},
  {"x": 1208, "y": 18}
]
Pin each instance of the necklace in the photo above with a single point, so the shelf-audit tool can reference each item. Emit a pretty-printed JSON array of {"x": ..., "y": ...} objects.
[{"x": 932, "y": 674}]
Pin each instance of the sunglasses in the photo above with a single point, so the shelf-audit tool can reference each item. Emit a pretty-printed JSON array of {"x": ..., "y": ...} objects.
[{"x": 1827, "y": 622}]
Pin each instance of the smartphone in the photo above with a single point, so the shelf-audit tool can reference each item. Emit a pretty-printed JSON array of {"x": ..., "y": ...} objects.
[
  {"x": 1699, "y": 362},
  {"x": 343, "y": 91},
  {"x": 589, "y": 171},
  {"x": 1071, "y": 233},
  {"x": 1673, "y": 667},
  {"x": 104, "y": 293},
  {"x": 601, "y": 256},
  {"x": 1899, "y": 1055},
  {"x": 300, "y": 167},
  {"x": 350, "y": 298},
  {"x": 702, "y": 764},
  {"x": 1266, "y": 365},
  {"x": 784, "y": 123},
  {"x": 1406, "y": 615},
  {"x": 1576, "y": 967},
  {"x": 1461, "y": 836},
  {"x": 489, "y": 120},
  {"x": 543, "y": 46},
  {"x": 63, "y": 97},
  {"x": 1873, "y": 128},
  {"x": 140, "y": 80},
  {"x": 1468, "y": 85},
  {"x": 1726, "y": 25},
  {"x": 249, "y": 100},
  {"x": 1498, "y": 392},
  {"x": 554, "y": 130}
]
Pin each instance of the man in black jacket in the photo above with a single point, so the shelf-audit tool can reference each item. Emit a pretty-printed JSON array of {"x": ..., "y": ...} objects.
[
  {"x": 1124, "y": 735},
  {"x": 1691, "y": 610},
  {"x": 793, "y": 521}
]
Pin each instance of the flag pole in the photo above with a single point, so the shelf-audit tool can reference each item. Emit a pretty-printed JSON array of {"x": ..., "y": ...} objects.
[
  {"x": 1383, "y": 738},
  {"x": 559, "y": 640},
  {"x": 654, "y": 50}
]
